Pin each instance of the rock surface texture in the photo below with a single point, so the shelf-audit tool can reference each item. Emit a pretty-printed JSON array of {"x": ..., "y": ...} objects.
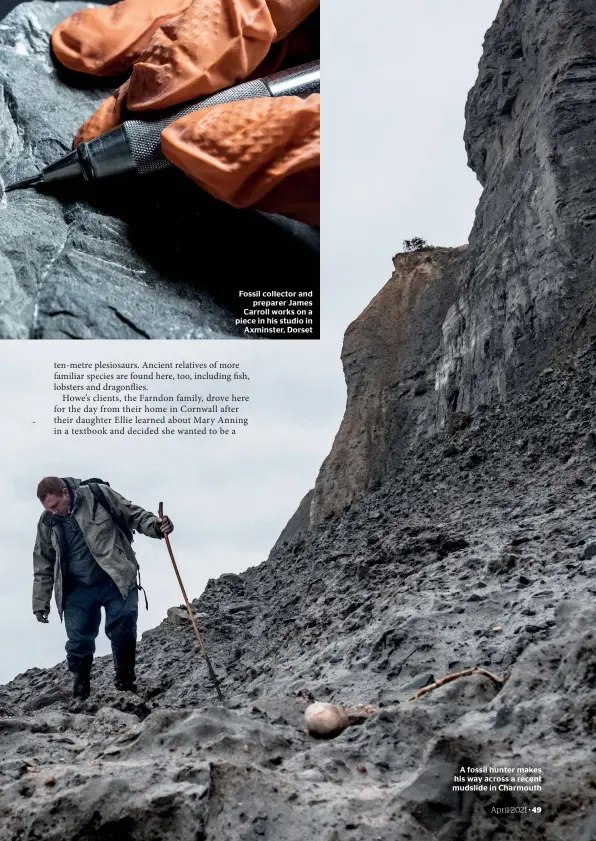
[
  {"x": 152, "y": 258},
  {"x": 527, "y": 291},
  {"x": 523, "y": 292},
  {"x": 478, "y": 549}
]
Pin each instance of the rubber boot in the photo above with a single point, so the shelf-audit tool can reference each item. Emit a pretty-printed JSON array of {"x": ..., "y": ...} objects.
[
  {"x": 124, "y": 667},
  {"x": 81, "y": 687}
]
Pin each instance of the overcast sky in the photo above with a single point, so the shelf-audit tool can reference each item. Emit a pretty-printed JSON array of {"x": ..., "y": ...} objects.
[{"x": 395, "y": 80}]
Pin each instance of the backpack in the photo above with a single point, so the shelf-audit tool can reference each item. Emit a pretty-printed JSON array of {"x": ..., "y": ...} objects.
[{"x": 100, "y": 499}]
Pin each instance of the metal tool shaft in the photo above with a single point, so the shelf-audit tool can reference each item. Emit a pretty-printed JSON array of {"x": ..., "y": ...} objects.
[{"x": 135, "y": 146}]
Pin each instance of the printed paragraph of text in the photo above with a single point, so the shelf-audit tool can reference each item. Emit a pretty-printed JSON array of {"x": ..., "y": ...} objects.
[{"x": 150, "y": 398}]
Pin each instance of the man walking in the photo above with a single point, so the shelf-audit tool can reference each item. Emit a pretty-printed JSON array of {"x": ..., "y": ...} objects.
[{"x": 83, "y": 553}]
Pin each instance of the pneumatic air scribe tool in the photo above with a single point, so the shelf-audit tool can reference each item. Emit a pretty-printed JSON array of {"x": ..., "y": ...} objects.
[{"x": 135, "y": 146}]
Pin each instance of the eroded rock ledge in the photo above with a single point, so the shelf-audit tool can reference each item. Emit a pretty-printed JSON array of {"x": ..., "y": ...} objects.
[
  {"x": 522, "y": 296},
  {"x": 390, "y": 357}
]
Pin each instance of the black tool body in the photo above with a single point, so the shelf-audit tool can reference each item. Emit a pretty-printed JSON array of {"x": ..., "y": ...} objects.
[{"x": 135, "y": 146}]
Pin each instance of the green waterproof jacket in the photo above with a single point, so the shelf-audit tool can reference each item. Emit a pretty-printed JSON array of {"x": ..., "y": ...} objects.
[{"x": 105, "y": 540}]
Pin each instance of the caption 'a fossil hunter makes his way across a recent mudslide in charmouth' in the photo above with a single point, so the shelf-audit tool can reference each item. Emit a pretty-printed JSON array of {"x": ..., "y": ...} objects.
[{"x": 83, "y": 552}]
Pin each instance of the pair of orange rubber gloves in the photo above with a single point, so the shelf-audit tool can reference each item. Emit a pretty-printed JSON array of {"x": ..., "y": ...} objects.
[{"x": 262, "y": 153}]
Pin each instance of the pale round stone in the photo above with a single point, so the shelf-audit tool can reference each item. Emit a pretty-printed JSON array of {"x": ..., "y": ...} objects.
[{"x": 325, "y": 719}]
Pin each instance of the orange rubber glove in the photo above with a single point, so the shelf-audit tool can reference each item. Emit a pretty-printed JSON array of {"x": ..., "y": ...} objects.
[{"x": 253, "y": 153}]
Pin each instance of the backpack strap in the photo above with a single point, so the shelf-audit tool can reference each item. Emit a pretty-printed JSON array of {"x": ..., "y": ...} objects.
[
  {"x": 100, "y": 498},
  {"x": 139, "y": 587}
]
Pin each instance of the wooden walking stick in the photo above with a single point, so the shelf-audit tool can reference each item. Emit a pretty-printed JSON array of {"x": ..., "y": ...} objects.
[{"x": 212, "y": 674}]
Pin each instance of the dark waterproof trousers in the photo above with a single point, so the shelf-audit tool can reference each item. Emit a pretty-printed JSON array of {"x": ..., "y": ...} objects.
[{"x": 82, "y": 617}]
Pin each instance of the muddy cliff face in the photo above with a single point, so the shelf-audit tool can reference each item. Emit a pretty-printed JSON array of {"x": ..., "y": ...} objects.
[
  {"x": 390, "y": 358},
  {"x": 522, "y": 296},
  {"x": 481, "y": 553}
]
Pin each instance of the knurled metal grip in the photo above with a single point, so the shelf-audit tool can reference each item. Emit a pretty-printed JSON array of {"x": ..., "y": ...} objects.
[
  {"x": 144, "y": 136},
  {"x": 136, "y": 144}
]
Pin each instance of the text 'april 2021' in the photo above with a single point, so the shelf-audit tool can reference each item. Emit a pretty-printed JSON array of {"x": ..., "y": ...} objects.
[{"x": 150, "y": 398}]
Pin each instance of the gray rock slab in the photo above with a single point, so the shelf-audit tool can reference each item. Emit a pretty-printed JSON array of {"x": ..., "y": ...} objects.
[
  {"x": 151, "y": 258},
  {"x": 178, "y": 616}
]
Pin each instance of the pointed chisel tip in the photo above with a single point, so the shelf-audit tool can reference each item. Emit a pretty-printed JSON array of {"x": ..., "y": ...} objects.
[{"x": 27, "y": 182}]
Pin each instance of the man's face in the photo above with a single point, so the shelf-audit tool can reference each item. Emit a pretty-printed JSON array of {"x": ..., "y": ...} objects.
[{"x": 57, "y": 503}]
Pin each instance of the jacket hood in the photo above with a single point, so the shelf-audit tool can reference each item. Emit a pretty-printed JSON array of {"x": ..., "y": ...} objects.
[{"x": 73, "y": 486}]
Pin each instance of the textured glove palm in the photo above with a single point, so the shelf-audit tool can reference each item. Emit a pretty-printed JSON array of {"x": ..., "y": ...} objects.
[{"x": 263, "y": 154}]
